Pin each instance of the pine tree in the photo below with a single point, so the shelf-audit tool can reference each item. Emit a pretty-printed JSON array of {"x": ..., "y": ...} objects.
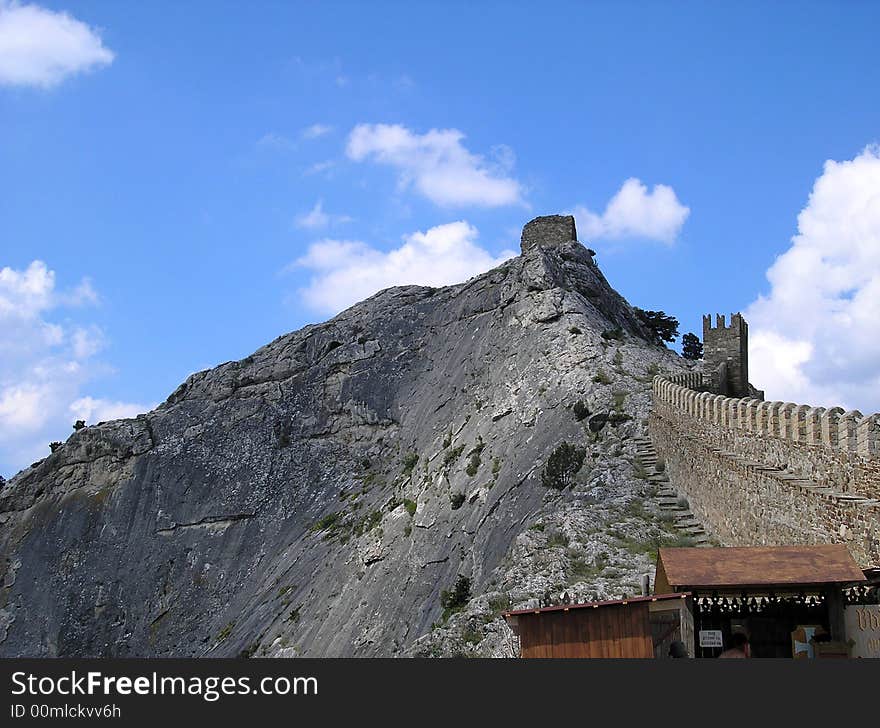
[
  {"x": 663, "y": 327},
  {"x": 691, "y": 346}
]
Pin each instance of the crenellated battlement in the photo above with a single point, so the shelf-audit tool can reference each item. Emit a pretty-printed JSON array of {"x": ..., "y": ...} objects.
[
  {"x": 833, "y": 428},
  {"x": 761, "y": 472},
  {"x": 737, "y": 323}
]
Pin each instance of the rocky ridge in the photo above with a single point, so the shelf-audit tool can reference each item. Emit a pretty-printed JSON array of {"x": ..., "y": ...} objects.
[{"x": 318, "y": 497}]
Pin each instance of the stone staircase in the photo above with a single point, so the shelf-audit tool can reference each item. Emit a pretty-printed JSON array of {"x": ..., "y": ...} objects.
[{"x": 668, "y": 499}]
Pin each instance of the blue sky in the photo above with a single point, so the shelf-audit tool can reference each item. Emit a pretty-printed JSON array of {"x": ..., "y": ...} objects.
[{"x": 185, "y": 171}]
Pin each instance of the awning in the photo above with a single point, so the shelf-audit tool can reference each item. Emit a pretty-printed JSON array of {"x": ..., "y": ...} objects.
[{"x": 754, "y": 566}]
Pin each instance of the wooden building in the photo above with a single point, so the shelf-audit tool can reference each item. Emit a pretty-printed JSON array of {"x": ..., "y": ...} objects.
[
  {"x": 636, "y": 627},
  {"x": 779, "y": 596},
  {"x": 791, "y": 601}
]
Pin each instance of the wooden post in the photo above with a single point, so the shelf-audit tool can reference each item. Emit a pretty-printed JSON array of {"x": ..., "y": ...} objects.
[{"x": 834, "y": 600}]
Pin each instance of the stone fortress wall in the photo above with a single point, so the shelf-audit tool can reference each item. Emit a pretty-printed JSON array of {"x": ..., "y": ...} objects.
[{"x": 765, "y": 473}]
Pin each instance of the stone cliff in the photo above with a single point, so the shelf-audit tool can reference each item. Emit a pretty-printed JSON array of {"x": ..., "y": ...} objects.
[{"x": 317, "y": 497}]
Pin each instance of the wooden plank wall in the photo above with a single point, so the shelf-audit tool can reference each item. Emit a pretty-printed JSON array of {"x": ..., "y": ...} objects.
[{"x": 611, "y": 631}]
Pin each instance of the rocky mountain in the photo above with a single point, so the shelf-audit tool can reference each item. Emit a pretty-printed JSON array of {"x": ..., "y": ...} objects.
[{"x": 325, "y": 495}]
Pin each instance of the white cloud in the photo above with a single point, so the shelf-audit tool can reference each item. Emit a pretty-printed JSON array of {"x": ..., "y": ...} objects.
[
  {"x": 45, "y": 364},
  {"x": 86, "y": 341},
  {"x": 316, "y": 218},
  {"x": 315, "y": 131},
  {"x": 40, "y": 47},
  {"x": 816, "y": 335},
  {"x": 319, "y": 168},
  {"x": 436, "y": 164},
  {"x": 275, "y": 142},
  {"x": 634, "y": 212},
  {"x": 347, "y": 271},
  {"x": 102, "y": 410}
]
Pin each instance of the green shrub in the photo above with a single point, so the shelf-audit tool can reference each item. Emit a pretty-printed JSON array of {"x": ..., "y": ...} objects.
[
  {"x": 636, "y": 509},
  {"x": 562, "y": 465},
  {"x": 456, "y": 499},
  {"x": 452, "y": 455},
  {"x": 680, "y": 541},
  {"x": 580, "y": 570},
  {"x": 615, "y": 334},
  {"x": 455, "y": 599},
  {"x": 372, "y": 520},
  {"x": 473, "y": 465},
  {"x": 410, "y": 506},
  {"x": 499, "y": 604},
  {"x": 618, "y": 358},
  {"x": 328, "y": 522},
  {"x": 558, "y": 538},
  {"x": 601, "y": 377},
  {"x": 574, "y": 330},
  {"x": 409, "y": 462},
  {"x": 471, "y": 635}
]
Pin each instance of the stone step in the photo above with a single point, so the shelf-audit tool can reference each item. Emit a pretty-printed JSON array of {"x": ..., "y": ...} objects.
[
  {"x": 692, "y": 531},
  {"x": 686, "y": 522}
]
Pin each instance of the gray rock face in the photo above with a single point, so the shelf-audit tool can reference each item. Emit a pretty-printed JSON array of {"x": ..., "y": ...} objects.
[{"x": 316, "y": 497}]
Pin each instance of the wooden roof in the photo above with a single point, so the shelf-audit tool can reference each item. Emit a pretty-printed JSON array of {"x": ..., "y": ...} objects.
[
  {"x": 741, "y": 566},
  {"x": 594, "y": 605}
]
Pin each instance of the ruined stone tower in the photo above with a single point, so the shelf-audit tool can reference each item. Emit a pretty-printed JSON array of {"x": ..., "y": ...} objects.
[
  {"x": 726, "y": 355},
  {"x": 548, "y": 231}
]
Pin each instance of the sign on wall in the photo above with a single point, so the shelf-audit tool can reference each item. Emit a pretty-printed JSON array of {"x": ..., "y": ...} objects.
[
  {"x": 863, "y": 628},
  {"x": 711, "y": 638}
]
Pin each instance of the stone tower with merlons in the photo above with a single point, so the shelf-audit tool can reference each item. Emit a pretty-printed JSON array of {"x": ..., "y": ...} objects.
[{"x": 726, "y": 355}]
